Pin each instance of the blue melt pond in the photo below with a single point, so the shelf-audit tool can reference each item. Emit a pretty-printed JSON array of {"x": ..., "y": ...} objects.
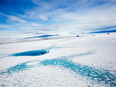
[{"x": 31, "y": 53}]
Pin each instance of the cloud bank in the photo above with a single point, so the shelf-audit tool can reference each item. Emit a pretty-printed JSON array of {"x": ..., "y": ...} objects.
[{"x": 57, "y": 16}]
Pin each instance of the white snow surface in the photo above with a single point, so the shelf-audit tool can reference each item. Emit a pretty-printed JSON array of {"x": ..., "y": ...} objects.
[{"x": 98, "y": 52}]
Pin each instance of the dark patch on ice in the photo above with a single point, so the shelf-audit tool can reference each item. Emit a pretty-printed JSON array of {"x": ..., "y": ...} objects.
[
  {"x": 31, "y": 53},
  {"x": 77, "y": 36}
]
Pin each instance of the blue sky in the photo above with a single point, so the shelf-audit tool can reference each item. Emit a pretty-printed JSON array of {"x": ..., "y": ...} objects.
[{"x": 20, "y": 18}]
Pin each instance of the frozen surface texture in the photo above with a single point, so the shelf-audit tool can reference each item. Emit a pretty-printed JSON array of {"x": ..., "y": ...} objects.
[{"x": 70, "y": 62}]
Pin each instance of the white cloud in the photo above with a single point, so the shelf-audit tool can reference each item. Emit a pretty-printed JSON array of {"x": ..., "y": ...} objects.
[
  {"x": 11, "y": 34},
  {"x": 99, "y": 23},
  {"x": 69, "y": 16},
  {"x": 5, "y": 26},
  {"x": 35, "y": 24},
  {"x": 26, "y": 26},
  {"x": 16, "y": 19},
  {"x": 52, "y": 27},
  {"x": 43, "y": 17},
  {"x": 105, "y": 21}
]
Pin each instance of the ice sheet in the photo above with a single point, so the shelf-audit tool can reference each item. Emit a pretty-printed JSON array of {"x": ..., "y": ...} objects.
[{"x": 87, "y": 61}]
